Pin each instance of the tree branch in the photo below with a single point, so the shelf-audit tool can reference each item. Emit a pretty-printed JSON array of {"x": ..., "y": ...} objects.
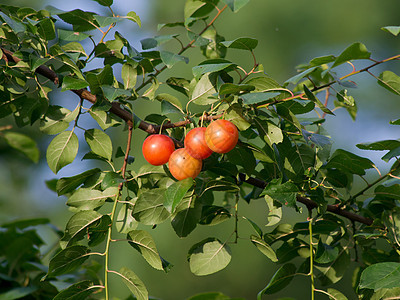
[
  {"x": 310, "y": 204},
  {"x": 152, "y": 129}
]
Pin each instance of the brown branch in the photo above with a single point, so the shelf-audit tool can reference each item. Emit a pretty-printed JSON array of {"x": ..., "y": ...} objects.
[
  {"x": 42, "y": 70},
  {"x": 310, "y": 204},
  {"x": 150, "y": 128}
]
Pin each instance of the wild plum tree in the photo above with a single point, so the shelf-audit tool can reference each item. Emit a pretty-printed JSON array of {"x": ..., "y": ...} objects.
[{"x": 280, "y": 154}]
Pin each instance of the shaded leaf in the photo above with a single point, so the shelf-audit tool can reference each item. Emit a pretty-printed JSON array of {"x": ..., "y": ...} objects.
[
  {"x": 67, "y": 260},
  {"x": 143, "y": 242},
  {"x": 149, "y": 208},
  {"x": 349, "y": 162},
  {"x": 235, "y": 5},
  {"x": 77, "y": 291},
  {"x": 134, "y": 283},
  {"x": 243, "y": 43},
  {"x": 280, "y": 280},
  {"x": 264, "y": 248},
  {"x": 68, "y": 184},
  {"x": 284, "y": 193},
  {"x": 24, "y": 144},
  {"x": 175, "y": 193}
]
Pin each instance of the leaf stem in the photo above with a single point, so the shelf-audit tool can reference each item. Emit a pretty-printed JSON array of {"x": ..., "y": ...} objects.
[
  {"x": 311, "y": 256},
  {"x": 112, "y": 215}
]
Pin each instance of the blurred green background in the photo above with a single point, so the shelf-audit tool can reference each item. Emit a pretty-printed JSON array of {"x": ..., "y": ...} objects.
[{"x": 290, "y": 32}]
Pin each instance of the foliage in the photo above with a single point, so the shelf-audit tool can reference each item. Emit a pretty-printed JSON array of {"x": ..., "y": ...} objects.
[{"x": 283, "y": 156}]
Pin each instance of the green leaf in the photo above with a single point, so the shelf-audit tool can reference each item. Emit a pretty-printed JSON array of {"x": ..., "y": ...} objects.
[
  {"x": 149, "y": 208},
  {"x": 129, "y": 76},
  {"x": 349, "y": 162},
  {"x": 77, "y": 225},
  {"x": 314, "y": 99},
  {"x": 99, "y": 142},
  {"x": 381, "y": 275},
  {"x": 208, "y": 256},
  {"x": 274, "y": 213},
  {"x": 72, "y": 36},
  {"x": 380, "y": 145},
  {"x": 186, "y": 219},
  {"x": 18, "y": 292},
  {"x": 133, "y": 282},
  {"x": 213, "y": 215},
  {"x": 354, "y": 51},
  {"x": 62, "y": 150},
  {"x": 24, "y": 144},
  {"x": 46, "y": 29},
  {"x": 96, "y": 81},
  {"x": 170, "y": 59},
  {"x": 67, "y": 260},
  {"x": 395, "y": 30},
  {"x": 143, "y": 242},
  {"x": 195, "y": 9},
  {"x": 211, "y": 296},
  {"x": 243, "y": 43},
  {"x": 87, "y": 199},
  {"x": 203, "y": 93},
  {"x": 235, "y": 114},
  {"x": 57, "y": 119},
  {"x": 390, "y": 81},
  {"x": 244, "y": 157},
  {"x": 280, "y": 280},
  {"x": 72, "y": 83},
  {"x": 258, "y": 97},
  {"x": 80, "y": 20},
  {"x": 179, "y": 84},
  {"x": 104, "y": 2},
  {"x": 175, "y": 193},
  {"x": 295, "y": 79},
  {"x": 68, "y": 184},
  {"x": 125, "y": 221},
  {"x": 231, "y": 88},
  {"x": 105, "y": 119},
  {"x": 325, "y": 254},
  {"x": 111, "y": 93},
  {"x": 271, "y": 133},
  {"x": 264, "y": 248},
  {"x": 134, "y": 18},
  {"x": 77, "y": 291},
  {"x": 235, "y": 5},
  {"x": 285, "y": 193},
  {"x": 335, "y": 270},
  {"x": 317, "y": 61},
  {"x": 336, "y": 295},
  {"x": 211, "y": 66},
  {"x": 263, "y": 84}
]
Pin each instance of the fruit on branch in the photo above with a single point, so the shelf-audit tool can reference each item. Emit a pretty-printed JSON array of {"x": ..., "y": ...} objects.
[
  {"x": 196, "y": 145},
  {"x": 221, "y": 136},
  {"x": 157, "y": 149},
  {"x": 182, "y": 165}
]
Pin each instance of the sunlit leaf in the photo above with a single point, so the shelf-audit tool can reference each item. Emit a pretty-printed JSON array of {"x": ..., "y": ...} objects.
[
  {"x": 62, "y": 150},
  {"x": 208, "y": 256}
]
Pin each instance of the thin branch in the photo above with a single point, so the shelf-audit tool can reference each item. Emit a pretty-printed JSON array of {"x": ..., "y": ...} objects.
[{"x": 310, "y": 204}]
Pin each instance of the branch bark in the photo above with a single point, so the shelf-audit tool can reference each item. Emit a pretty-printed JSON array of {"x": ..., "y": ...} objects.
[
  {"x": 152, "y": 129},
  {"x": 310, "y": 204}
]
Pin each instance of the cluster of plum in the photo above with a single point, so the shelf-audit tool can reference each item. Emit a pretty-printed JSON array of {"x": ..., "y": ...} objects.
[{"x": 220, "y": 136}]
